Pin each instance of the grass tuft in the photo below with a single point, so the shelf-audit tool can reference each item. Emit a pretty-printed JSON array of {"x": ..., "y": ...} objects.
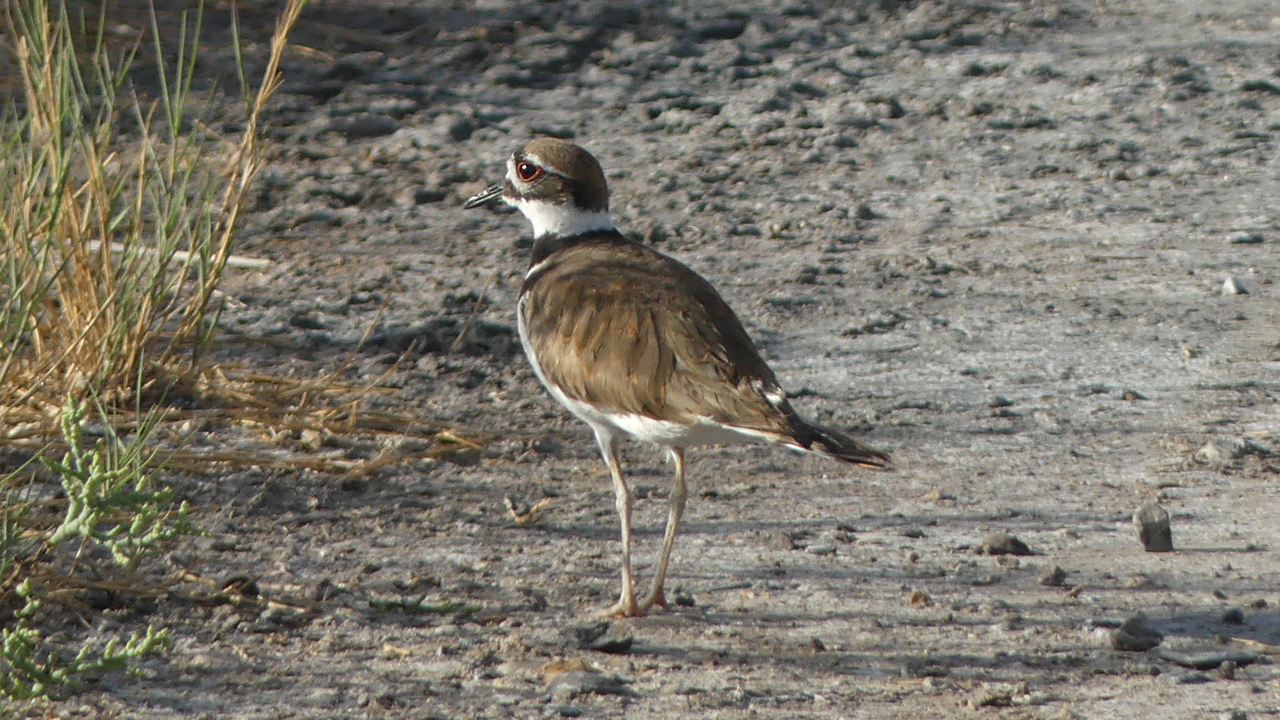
[{"x": 118, "y": 213}]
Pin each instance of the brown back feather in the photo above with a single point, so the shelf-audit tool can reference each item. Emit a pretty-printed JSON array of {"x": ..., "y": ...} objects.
[{"x": 628, "y": 329}]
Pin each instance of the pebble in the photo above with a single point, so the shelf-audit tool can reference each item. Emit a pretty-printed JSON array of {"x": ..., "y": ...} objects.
[
  {"x": 780, "y": 540},
  {"x": 281, "y": 616},
  {"x": 1209, "y": 660},
  {"x": 598, "y": 637},
  {"x": 821, "y": 549},
  {"x": 364, "y": 125},
  {"x": 575, "y": 683},
  {"x": 1053, "y": 577},
  {"x": 1152, "y": 525},
  {"x": 1000, "y": 543},
  {"x": 1136, "y": 635},
  {"x": 1232, "y": 616},
  {"x": 1245, "y": 238},
  {"x": 1233, "y": 286},
  {"x": 1190, "y": 678},
  {"x": 1209, "y": 454},
  {"x": 454, "y": 127}
]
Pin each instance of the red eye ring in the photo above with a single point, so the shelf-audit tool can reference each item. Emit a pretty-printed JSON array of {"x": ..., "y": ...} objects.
[{"x": 528, "y": 172}]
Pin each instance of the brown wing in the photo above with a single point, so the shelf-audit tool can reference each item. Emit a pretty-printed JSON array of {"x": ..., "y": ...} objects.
[{"x": 630, "y": 330}]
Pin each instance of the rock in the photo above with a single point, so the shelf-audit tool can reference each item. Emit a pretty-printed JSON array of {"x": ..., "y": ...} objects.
[
  {"x": 780, "y": 540},
  {"x": 1190, "y": 678},
  {"x": 1000, "y": 543},
  {"x": 1152, "y": 524},
  {"x": 598, "y": 637},
  {"x": 1245, "y": 238},
  {"x": 1136, "y": 635},
  {"x": 1233, "y": 286},
  {"x": 364, "y": 125},
  {"x": 278, "y": 616},
  {"x": 575, "y": 683},
  {"x": 455, "y": 128},
  {"x": 1209, "y": 660},
  {"x": 1232, "y": 616},
  {"x": 1053, "y": 577},
  {"x": 1209, "y": 454}
]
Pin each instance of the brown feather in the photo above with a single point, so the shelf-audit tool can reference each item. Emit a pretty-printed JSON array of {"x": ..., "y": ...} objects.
[{"x": 629, "y": 330}]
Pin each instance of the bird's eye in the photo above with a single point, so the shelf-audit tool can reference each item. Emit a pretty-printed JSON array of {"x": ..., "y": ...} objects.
[{"x": 528, "y": 172}]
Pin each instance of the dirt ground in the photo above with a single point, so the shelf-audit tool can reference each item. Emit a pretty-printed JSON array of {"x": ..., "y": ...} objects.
[{"x": 991, "y": 238}]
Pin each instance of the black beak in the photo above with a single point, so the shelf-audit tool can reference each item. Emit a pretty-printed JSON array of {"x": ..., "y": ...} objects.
[{"x": 483, "y": 197}]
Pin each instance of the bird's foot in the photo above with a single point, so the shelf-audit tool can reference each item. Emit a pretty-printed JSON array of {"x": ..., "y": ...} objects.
[
  {"x": 625, "y": 607},
  {"x": 656, "y": 598}
]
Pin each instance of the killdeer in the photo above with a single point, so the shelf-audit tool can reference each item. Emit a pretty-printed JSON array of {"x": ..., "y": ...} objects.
[{"x": 636, "y": 344}]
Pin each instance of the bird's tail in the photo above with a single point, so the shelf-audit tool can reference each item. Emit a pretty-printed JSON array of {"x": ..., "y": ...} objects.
[{"x": 833, "y": 443}]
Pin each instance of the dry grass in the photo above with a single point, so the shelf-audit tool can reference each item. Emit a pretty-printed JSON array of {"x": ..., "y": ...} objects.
[
  {"x": 118, "y": 216},
  {"x": 113, "y": 242}
]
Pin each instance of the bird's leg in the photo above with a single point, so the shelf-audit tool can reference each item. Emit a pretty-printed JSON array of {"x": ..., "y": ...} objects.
[
  {"x": 626, "y": 605},
  {"x": 678, "y": 495}
]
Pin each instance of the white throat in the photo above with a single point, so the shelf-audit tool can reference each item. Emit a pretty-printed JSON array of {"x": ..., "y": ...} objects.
[{"x": 563, "y": 220}]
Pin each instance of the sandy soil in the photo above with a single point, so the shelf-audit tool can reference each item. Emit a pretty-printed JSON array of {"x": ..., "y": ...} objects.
[{"x": 990, "y": 237}]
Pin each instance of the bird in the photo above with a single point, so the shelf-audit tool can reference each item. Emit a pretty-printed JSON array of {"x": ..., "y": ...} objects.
[{"x": 638, "y": 345}]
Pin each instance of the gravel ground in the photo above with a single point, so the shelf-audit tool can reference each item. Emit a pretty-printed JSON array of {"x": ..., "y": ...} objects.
[{"x": 990, "y": 237}]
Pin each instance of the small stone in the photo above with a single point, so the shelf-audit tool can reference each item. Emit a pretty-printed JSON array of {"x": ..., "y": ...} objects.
[
  {"x": 598, "y": 637},
  {"x": 1053, "y": 577},
  {"x": 821, "y": 549},
  {"x": 937, "y": 496},
  {"x": 454, "y": 127},
  {"x": 1234, "y": 715},
  {"x": 1210, "y": 660},
  {"x": 1152, "y": 524},
  {"x": 1191, "y": 678},
  {"x": 365, "y": 125},
  {"x": 1136, "y": 635},
  {"x": 1227, "y": 670},
  {"x": 276, "y": 616},
  {"x": 1233, "y": 616},
  {"x": 1209, "y": 455},
  {"x": 1233, "y": 286},
  {"x": 1245, "y": 238},
  {"x": 575, "y": 683},
  {"x": 1008, "y": 562},
  {"x": 1000, "y": 543},
  {"x": 225, "y": 543},
  {"x": 780, "y": 540}
]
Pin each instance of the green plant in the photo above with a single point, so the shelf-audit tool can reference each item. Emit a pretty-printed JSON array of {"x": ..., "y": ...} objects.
[
  {"x": 34, "y": 670},
  {"x": 117, "y": 218},
  {"x": 112, "y": 479}
]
